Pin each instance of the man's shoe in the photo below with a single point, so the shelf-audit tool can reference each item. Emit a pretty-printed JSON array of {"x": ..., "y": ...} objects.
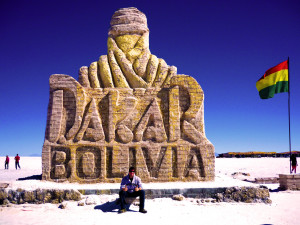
[
  {"x": 143, "y": 211},
  {"x": 122, "y": 210}
]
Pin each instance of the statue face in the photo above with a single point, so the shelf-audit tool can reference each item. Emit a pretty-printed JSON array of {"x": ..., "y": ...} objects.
[
  {"x": 132, "y": 45},
  {"x": 127, "y": 42}
]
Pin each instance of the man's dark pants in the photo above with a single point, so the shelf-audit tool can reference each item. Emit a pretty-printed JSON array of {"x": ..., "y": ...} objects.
[
  {"x": 17, "y": 165},
  {"x": 124, "y": 194}
]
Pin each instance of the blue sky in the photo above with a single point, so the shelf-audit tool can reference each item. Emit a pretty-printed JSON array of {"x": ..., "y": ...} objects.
[{"x": 225, "y": 45}]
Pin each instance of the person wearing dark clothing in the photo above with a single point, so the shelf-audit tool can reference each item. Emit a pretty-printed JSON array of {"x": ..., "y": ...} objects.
[
  {"x": 17, "y": 160},
  {"x": 6, "y": 162},
  {"x": 293, "y": 159},
  {"x": 131, "y": 186}
]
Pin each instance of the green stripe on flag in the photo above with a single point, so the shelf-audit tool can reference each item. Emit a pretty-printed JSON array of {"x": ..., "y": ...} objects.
[{"x": 268, "y": 92}]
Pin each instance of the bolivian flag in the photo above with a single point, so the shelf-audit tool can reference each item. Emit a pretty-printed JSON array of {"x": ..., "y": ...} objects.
[{"x": 275, "y": 80}]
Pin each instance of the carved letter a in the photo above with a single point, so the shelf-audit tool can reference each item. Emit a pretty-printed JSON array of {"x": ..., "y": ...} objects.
[
  {"x": 151, "y": 126},
  {"x": 92, "y": 118}
]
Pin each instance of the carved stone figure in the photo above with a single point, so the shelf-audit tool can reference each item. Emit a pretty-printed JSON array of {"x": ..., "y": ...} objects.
[{"x": 128, "y": 109}]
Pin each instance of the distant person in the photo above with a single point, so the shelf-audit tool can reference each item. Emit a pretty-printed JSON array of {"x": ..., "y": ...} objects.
[
  {"x": 293, "y": 159},
  {"x": 6, "y": 162},
  {"x": 131, "y": 186},
  {"x": 17, "y": 160}
]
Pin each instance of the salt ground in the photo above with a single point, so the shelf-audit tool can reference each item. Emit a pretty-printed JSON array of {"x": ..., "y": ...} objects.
[{"x": 283, "y": 210}]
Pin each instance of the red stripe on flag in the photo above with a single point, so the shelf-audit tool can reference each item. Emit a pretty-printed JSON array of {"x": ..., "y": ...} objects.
[{"x": 280, "y": 66}]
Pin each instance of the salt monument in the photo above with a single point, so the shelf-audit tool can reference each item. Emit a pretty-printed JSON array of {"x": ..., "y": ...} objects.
[{"x": 129, "y": 108}]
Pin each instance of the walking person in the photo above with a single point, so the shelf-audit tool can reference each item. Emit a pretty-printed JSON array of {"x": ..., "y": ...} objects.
[
  {"x": 17, "y": 160},
  {"x": 293, "y": 159},
  {"x": 6, "y": 162}
]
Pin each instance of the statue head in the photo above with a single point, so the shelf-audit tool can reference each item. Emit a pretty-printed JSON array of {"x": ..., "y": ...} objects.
[
  {"x": 128, "y": 21},
  {"x": 128, "y": 27}
]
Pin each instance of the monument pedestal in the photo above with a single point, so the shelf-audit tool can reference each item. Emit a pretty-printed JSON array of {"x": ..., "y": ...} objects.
[{"x": 289, "y": 181}]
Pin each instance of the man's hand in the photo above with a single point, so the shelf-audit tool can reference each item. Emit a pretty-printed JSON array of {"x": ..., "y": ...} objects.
[
  {"x": 137, "y": 188},
  {"x": 125, "y": 189}
]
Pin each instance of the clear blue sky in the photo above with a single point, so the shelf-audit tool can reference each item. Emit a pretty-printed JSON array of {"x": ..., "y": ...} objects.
[{"x": 225, "y": 45}]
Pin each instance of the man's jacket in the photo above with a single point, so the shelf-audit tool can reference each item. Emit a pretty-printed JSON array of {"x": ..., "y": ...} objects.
[{"x": 136, "y": 182}]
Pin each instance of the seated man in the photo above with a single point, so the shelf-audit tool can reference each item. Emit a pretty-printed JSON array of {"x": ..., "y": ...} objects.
[{"x": 131, "y": 186}]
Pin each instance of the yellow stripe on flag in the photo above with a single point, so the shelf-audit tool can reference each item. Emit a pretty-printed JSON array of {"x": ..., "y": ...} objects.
[{"x": 272, "y": 79}]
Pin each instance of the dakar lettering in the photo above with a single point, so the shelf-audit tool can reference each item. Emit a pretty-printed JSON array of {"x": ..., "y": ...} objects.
[{"x": 127, "y": 109}]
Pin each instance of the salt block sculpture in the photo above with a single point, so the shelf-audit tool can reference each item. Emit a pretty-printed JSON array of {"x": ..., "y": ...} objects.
[{"x": 129, "y": 108}]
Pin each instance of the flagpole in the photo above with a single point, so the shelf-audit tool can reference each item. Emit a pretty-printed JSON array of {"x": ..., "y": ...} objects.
[{"x": 289, "y": 106}]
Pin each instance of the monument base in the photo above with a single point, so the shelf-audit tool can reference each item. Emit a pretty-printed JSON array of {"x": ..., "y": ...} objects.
[
  {"x": 289, "y": 181},
  {"x": 250, "y": 194}
]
